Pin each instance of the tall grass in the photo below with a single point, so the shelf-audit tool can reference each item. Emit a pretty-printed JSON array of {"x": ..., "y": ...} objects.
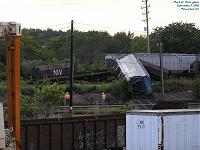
[
  {"x": 175, "y": 84},
  {"x": 84, "y": 88},
  {"x": 196, "y": 88}
]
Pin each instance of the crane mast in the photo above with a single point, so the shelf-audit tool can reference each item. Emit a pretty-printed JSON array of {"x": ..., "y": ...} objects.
[{"x": 11, "y": 31}]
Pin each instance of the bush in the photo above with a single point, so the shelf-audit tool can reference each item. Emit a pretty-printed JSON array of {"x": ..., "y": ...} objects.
[
  {"x": 26, "y": 89},
  {"x": 2, "y": 72},
  {"x": 103, "y": 87},
  {"x": 2, "y": 88},
  {"x": 119, "y": 88},
  {"x": 27, "y": 108},
  {"x": 48, "y": 98},
  {"x": 2, "y": 76}
]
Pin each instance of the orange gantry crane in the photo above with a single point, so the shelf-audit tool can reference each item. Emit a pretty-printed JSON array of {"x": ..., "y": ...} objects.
[{"x": 11, "y": 31}]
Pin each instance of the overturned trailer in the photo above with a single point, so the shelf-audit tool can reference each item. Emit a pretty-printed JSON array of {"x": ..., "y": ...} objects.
[{"x": 135, "y": 74}]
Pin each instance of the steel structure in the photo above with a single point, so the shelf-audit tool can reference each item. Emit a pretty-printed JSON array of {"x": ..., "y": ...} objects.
[
  {"x": 11, "y": 31},
  {"x": 95, "y": 132}
]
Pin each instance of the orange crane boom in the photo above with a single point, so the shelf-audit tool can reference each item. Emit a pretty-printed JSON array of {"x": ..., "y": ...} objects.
[{"x": 12, "y": 32}]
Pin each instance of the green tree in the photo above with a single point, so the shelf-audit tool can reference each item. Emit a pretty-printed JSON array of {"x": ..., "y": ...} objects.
[
  {"x": 122, "y": 42},
  {"x": 2, "y": 51},
  {"x": 29, "y": 47},
  {"x": 177, "y": 38},
  {"x": 139, "y": 44}
]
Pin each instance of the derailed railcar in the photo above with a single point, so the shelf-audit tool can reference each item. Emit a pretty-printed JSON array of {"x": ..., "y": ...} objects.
[
  {"x": 129, "y": 67},
  {"x": 173, "y": 64},
  {"x": 137, "y": 76},
  {"x": 176, "y": 64},
  {"x": 51, "y": 72}
]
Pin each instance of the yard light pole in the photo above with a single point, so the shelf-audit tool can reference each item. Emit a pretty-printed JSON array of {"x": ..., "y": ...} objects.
[{"x": 71, "y": 70}]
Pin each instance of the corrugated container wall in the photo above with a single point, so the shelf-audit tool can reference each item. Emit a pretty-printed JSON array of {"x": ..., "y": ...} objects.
[
  {"x": 163, "y": 130},
  {"x": 172, "y": 62}
]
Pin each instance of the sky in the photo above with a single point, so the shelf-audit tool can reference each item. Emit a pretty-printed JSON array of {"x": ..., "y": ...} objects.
[{"x": 102, "y": 15}]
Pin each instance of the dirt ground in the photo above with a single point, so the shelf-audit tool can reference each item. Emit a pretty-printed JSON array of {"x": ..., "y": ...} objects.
[
  {"x": 178, "y": 95},
  {"x": 95, "y": 98}
]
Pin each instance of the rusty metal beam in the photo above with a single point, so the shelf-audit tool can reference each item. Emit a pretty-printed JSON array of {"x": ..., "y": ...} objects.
[
  {"x": 13, "y": 86},
  {"x": 9, "y": 69},
  {"x": 16, "y": 86}
]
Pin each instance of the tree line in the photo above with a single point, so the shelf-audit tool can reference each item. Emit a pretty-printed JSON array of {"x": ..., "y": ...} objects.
[{"x": 49, "y": 46}]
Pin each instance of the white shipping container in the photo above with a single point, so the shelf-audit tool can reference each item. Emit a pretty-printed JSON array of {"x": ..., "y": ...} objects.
[{"x": 163, "y": 129}]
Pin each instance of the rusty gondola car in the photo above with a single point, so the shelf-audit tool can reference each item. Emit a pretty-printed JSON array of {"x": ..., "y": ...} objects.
[
  {"x": 50, "y": 72},
  {"x": 61, "y": 72}
]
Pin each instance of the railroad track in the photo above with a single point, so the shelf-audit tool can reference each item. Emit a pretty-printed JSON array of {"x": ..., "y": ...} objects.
[
  {"x": 94, "y": 108},
  {"x": 89, "y": 106}
]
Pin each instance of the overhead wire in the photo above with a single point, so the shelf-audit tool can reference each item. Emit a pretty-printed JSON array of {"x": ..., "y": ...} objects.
[
  {"x": 51, "y": 26},
  {"x": 83, "y": 27},
  {"x": 106, "y": 27},
  {"x": 98, "y": 27}
]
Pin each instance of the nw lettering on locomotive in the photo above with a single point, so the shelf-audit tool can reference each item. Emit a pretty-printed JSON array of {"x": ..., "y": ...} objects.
[{"x": 57, "y": 72}]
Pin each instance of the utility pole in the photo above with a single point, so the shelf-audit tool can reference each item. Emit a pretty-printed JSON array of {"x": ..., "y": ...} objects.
[
  {"x": 71, "y": 69},
  {"x": 161, "y": 68},
  {"x": 146, "y": 13}
]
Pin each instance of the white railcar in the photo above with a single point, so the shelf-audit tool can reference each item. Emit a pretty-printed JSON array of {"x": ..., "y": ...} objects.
[{"x": 176, "y": 63}]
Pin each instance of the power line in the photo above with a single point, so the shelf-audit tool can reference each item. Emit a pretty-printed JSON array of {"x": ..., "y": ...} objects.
[
  {"x": 101, "y": 26},
  {"x": 97, "y": 28},
  {"x": 114, "y": 29},
  {"x": 51, "y": 26}
]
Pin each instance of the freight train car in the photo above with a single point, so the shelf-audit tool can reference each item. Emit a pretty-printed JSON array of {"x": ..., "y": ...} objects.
[
  {"x": 176, "y": 64},
  {"x": 133, "y": 71},
  {"x": 52, "y": 72},
  {"x": 61, "y": 72},
  {"x": 173, "y": 64}
]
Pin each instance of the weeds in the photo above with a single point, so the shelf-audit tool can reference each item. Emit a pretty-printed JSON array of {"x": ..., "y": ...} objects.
[
  {"x": 174, "y": 84},
  {"x": 196, "y": 87}
]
